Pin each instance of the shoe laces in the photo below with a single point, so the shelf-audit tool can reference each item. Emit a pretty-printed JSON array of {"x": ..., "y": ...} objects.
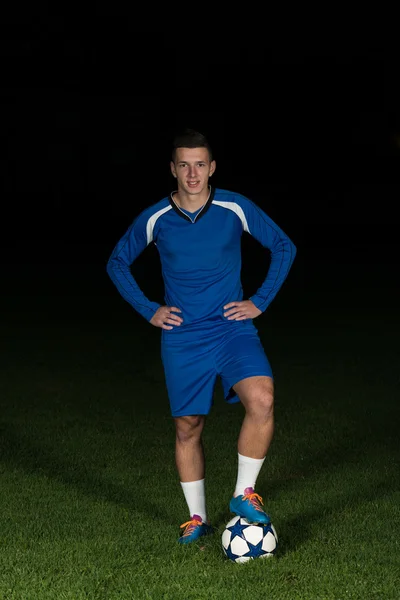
[
  {"x": 190, "y": 526},
  {"x": 254, "y": 499}
]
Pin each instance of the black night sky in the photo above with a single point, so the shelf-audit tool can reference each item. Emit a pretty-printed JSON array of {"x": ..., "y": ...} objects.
[{"x": 309, "y": 130}]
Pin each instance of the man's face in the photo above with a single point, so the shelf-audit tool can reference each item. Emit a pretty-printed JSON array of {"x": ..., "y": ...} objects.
[{"x": 192, "y": 168}]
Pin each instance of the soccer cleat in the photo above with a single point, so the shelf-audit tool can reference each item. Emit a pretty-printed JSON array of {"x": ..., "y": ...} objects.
[
  {"x": 249, "y": 506},
  {"x": 194, "y": 529}
]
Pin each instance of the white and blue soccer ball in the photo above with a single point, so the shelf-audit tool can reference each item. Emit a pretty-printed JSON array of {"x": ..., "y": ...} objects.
[{"x": 243, "y": 541}]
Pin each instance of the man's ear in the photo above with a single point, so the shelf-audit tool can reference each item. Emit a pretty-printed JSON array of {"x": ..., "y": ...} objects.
[
  {"x": 172, "y": 166},
  {"x": 213, "y": 166}
]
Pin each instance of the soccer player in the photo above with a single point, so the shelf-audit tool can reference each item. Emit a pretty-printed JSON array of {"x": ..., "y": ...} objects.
[{"x": 207, "y": 326}]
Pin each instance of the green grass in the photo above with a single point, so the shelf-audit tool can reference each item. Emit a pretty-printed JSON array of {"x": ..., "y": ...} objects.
[{"x": 90, "y": 499}]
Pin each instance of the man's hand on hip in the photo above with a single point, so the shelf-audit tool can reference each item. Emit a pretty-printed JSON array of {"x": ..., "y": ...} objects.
[
  {"x": 239, "y": 311},
  {"x": 165, "y": 318}
]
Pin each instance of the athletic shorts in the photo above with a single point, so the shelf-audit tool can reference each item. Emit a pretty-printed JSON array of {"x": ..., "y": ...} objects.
[{"x": 194, "y": 360}]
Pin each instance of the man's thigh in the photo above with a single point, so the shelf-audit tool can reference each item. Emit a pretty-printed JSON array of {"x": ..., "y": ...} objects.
[
  {"x": 240, "y": 360},
  {"x": 190, "y": 378}
]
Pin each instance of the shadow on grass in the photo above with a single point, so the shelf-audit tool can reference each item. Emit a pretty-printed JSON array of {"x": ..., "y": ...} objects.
[
  {"x": 295, "y": 532},
  {"x": 18, "y": 451},
  {"x": 340, "y": 459}
]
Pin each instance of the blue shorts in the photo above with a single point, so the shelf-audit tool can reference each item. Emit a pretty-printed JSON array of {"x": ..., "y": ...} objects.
[{"x": 194, "y": 360}]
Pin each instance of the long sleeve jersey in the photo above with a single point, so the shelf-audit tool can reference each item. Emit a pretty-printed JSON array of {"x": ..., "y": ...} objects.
[{"x": 200, "y": 256}]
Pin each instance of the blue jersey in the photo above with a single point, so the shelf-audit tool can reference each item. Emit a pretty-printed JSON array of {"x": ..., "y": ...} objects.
[{"x": 200, "y": 256}]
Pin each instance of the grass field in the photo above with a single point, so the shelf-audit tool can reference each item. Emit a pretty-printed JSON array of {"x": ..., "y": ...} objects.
[{"x": 90, "y": 500}]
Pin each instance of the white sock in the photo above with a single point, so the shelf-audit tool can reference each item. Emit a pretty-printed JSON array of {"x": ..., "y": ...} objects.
[
  {"x": 248, "y": 470},
  {"x": 195, "y": 497}
]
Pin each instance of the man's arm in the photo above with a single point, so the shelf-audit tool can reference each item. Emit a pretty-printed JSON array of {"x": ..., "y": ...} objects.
[
  {"x": 129, "y": 247},
  {"x": 282, "y": 250}
]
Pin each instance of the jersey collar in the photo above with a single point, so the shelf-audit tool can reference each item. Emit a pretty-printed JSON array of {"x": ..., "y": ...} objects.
[{"x": 202, "y": 211}]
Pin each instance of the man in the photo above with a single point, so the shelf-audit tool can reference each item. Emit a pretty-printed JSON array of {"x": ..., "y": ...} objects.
[{"x": 207, "y": 328}]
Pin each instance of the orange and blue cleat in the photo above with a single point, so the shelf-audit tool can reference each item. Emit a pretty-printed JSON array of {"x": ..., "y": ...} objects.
[
  {"x": 249, "y": 506},
  {"x": 194, "y": 529}
]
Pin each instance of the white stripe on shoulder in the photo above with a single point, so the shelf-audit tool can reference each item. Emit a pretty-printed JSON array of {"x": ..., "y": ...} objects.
[
  {"x": 153, "y": 220},
  {"x": 237, "y": 210}
]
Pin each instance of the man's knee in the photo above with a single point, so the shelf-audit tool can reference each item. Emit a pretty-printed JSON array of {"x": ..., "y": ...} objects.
[
  {"x": 257, "y": 396},
  {"x": 189, "y": 428}
]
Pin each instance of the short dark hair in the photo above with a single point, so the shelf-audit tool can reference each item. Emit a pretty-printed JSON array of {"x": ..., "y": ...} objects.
[{"x": 190, "y": 138}]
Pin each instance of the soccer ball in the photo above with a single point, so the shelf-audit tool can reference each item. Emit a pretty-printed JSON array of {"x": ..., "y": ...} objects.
[{"x": 243, "y": 541}]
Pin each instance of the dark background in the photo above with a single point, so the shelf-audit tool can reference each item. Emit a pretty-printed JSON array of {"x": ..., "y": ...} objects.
[{"x": 309, "y": 129}]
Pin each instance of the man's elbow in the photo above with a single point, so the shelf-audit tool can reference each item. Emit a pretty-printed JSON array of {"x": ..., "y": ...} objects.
[{"x": 110, "y": 267}]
